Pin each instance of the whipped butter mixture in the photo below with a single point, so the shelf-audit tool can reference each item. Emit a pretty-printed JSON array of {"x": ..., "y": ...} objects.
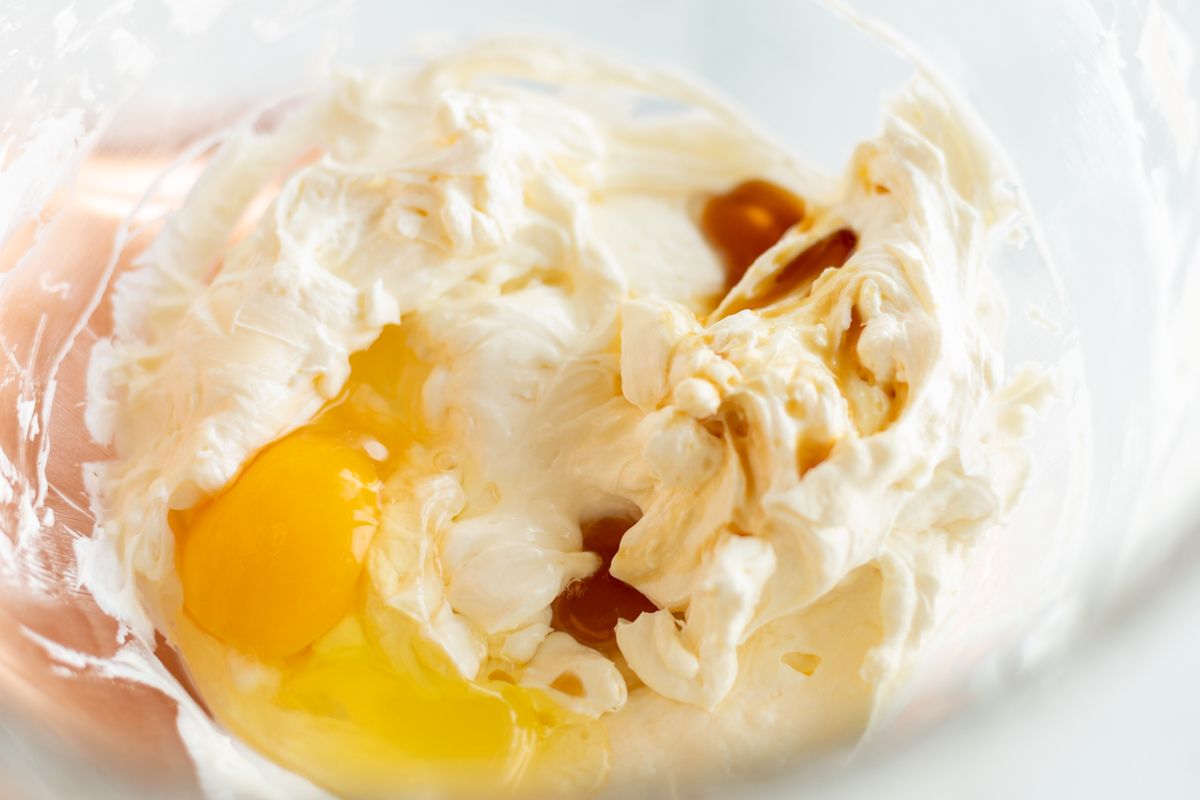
[{"x": 528, "y": 420}]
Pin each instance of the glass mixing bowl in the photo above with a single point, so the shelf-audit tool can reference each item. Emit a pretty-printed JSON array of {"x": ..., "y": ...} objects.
[{"x": 110, "y": 109}]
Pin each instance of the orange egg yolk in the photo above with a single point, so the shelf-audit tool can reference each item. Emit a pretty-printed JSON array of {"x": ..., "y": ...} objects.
[{"x": 271, "y": 564}]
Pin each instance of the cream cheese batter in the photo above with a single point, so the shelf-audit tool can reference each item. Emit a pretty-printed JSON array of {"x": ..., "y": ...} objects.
[{"x": 807, "y": 464}]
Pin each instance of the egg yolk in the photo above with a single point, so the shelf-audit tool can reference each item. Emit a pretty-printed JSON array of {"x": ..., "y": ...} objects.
[
  {"x": 290, "y": 649},
  {"x": 271, "y": 563}
]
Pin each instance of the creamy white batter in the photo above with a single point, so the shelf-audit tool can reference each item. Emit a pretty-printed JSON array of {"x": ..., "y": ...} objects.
[{"x": 811, "y": 476}]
